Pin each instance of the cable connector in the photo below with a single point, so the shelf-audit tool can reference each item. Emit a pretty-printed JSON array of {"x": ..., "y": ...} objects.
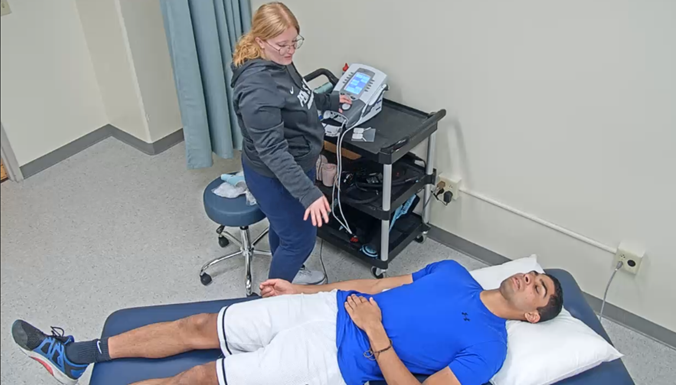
[
  {"x": 603, "y": 303},
  {"x": 448, "y": 197}
]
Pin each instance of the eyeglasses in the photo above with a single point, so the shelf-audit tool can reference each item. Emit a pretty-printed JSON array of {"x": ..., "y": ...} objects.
[{"x": 284, "y": 49}]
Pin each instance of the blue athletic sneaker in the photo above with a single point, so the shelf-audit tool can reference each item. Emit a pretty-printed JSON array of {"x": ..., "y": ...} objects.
[{"x": 48, "y": 350}]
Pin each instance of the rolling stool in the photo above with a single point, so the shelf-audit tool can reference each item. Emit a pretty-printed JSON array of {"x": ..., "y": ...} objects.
[{"x": 233, "y": 212}]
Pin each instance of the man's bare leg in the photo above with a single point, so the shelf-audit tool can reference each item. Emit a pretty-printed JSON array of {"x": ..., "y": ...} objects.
[
  {"x": 167, "y": 338},
  {"x": 199, "y": 375},
  {"x": 152, "y": 341}
]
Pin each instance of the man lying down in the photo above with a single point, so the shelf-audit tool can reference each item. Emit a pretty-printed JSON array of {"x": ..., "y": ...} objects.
[{"x": 437, "y": 321}]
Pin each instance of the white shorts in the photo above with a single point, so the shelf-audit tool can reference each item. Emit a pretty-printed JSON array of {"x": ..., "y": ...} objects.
[{"x": 285, "y": 340}]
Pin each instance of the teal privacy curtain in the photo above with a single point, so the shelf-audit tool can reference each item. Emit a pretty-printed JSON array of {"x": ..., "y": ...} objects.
[{"x": 202, "y": 35}]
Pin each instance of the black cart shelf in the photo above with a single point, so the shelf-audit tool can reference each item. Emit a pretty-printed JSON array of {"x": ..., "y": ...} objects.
[
  {"x": 399, "y": 129},
  {"x": 399, "y": 194}
]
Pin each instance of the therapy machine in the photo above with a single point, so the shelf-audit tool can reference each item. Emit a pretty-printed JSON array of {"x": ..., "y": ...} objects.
[{"x": 365, "y": 86}]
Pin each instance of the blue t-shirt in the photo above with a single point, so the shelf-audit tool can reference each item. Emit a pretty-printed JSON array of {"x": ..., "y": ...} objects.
[{"x": 434, "y": 322}]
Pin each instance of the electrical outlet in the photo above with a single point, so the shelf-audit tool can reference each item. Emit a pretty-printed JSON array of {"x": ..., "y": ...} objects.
[
  {"x": 630, "y": 255},
  {"x": 450, "y": 184},
  {"x": 4, "y": 6}
]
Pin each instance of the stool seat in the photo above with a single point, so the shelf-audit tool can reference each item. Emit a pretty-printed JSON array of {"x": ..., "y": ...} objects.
[{"x": 230, "y": 212}]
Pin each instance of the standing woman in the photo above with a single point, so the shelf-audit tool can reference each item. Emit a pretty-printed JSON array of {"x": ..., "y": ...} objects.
[{"x": 283, "y": 137}]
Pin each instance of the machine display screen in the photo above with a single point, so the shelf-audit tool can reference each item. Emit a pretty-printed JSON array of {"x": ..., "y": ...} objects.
[{"x": 357, "y": 83}]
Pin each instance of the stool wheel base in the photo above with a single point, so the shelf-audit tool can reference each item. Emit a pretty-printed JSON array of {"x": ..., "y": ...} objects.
[
  {"x": 377, "y": 273},
  {"x": 205, "y": 278},
  {"x": 223, "y": 241}
]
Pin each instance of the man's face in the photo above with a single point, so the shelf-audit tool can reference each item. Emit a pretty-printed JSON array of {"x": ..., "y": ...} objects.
[{"x": 527, "y": 292}]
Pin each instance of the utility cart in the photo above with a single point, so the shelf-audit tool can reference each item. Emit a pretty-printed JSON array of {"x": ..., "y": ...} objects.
[{"x": 398, "y": 130}]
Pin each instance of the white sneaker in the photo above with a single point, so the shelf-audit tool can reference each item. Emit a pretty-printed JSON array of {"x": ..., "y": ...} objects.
[{"x": 308, "y": 277}]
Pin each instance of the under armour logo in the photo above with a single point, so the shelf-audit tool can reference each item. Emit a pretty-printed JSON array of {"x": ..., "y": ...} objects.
[{"x": 465, "y": 316}]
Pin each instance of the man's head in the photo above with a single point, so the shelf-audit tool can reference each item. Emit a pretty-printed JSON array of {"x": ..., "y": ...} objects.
[{"x": 535, "y": 297}]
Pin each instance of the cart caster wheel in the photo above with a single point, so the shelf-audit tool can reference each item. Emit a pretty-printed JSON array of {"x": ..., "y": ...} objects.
[
  {"x": 223, "y": 241},
  {"x": 421, "y": 238},
  {"x": 377, "y": 273},
  {"x": 205, "y": 278}
]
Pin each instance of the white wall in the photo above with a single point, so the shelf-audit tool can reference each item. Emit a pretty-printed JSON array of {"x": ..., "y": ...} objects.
[
  {"x": 110, "y": 53},
  {"x": 133, "y": 67},
  {"x": 49, "y": 94},
  {"x": 563, "y": 110},
  {"x": 70, "y": 67},
  {"x": 148, "y": 44}
]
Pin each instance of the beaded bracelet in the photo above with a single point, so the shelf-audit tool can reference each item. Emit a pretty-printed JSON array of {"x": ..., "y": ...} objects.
[{"x": 370, "y": 354}]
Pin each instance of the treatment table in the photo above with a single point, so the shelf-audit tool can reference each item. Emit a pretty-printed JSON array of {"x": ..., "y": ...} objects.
[{"x": 127, "y": 371}]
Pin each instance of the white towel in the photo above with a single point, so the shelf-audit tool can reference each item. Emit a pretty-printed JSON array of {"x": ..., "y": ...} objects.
[{"x": 233, "y": 186}]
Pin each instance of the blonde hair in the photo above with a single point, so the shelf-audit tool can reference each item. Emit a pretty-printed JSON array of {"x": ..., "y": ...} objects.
[{"x": 269, "y": 21}]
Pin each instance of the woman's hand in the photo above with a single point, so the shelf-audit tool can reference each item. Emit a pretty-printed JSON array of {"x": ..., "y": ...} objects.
[
  {"x": 275, "y": 287},
  {"x": 365, "y": 313},
  {"x": 344, "y": 99},
  {"x": 318, "y": 211}
]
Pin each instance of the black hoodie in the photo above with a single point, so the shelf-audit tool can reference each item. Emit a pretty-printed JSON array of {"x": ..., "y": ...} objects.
[{"x": 277, "y": 112}]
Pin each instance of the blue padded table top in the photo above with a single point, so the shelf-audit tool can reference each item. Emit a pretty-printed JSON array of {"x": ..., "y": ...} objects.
[{"x": 131, "y": 370}]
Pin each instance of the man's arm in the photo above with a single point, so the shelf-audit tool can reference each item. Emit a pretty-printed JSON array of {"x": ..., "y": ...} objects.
[
  {"x": 273, "y": 287},
  {"x": 394, "y": 371},
  {"x": 367, "y": 316},
  {"x": 366, "y": 286}
]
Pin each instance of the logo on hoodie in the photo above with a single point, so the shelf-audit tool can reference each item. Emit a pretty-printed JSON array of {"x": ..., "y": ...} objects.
[{"x": 305, "y": 95}]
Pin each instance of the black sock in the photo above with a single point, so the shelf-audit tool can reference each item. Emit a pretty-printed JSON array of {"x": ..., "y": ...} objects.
[{"x": 88, "y": 352}]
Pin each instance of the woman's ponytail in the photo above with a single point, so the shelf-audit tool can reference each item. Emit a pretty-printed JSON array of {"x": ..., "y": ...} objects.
[{"x": 246, "y": 49}]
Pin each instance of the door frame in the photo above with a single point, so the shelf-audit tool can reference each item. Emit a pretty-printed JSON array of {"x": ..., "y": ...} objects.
[{"x": 8, "y": 157}]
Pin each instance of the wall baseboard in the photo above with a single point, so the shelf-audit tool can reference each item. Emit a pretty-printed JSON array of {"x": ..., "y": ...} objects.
[
  {"x": 168, "y": 142},
  {"x": 612, "y": 312},
  {"x": 62, "y": 153},
  {"x": 154, "y": 148},
  {"x": 105, "y": 132}
]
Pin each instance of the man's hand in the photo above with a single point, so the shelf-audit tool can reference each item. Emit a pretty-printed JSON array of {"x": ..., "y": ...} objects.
[
  {"x": 365, "y": 313},
  {"x": 275, "y": 287}
]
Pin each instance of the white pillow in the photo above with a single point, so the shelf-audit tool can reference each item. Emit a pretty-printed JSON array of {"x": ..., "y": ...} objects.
[
  {"x": 547, "y": 352},
  {"x": 490, "y": 277}
]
